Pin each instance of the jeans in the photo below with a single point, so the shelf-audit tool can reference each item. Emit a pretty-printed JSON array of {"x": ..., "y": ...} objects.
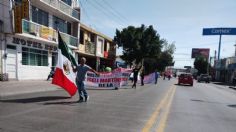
[
  {"x": 156, "y": 79},
  {"x": 81, "y": 89},
  {"x": 142, "y": 78}
]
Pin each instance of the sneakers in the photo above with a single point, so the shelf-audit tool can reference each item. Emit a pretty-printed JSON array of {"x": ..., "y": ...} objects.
[
  {"x": 81, "y": 99},
  {"x": 86, "y": 98}
]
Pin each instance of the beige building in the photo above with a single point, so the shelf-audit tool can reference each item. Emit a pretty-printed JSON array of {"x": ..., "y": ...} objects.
[{"x": 99, "y": 50}]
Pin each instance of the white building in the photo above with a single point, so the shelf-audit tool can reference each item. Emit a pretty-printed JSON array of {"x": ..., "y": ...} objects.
[{"x": 28, "y": 39}]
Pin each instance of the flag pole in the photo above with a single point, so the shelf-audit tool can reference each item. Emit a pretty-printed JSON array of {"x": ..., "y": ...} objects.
[{"x": 59, "y": 35}]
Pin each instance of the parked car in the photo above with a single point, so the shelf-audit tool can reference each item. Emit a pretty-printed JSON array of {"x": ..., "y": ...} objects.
[
  {"x": 204, "y": 77},
  {"x": 185, "y": 78}
]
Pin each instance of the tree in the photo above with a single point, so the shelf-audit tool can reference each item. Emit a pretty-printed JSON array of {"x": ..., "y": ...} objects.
[
  {"x": 138, "y": 43},
  {"x": 201, "y": 64},
  {"x": 166, "y": 58},
  {"x": 144, "y": 43}
]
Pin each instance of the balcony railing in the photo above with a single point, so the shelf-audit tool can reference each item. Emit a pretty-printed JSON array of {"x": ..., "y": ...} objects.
[
  {"x": 68, "y": 39},
  {"x": 46, "y": 32},
  {"x": 63, "y": 7},
  {"x": 90, "y": 48}
]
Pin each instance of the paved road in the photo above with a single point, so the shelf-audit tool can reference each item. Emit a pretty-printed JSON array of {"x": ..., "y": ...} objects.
[
  {"x": 203, "y": 108},
  {"x": 107, "y": 110},
  {"x": 163, "y": 107}
]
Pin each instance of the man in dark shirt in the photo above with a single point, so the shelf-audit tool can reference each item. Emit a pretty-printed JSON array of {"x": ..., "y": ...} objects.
[{"x": 135, "y": 76}]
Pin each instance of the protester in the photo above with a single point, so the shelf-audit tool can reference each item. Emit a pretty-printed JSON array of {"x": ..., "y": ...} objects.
[
  {"x": 234, "y": 81},
  {"x": 169, "y": 76},
  {"x": 142, "y": 75},
  {"x": 81, "y": 70},
  {"x": 156, "y": 76},
  {"x": 135, "y": 75},
  {"x": 108, "y": 69},
  {"x": 51, "y": 74},
  {"x": 164, "y": 76}
]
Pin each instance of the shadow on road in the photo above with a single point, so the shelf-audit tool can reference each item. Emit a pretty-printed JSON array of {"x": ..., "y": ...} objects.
[
  {"x": 233, "y": 106},
  {"x": 34, "y": 100},
  {"x": 185, "y": 85},
  {"x": 219, "y": 83},
  {"x": 61, "y": 103},
  {"x": 211, "y": 102}
]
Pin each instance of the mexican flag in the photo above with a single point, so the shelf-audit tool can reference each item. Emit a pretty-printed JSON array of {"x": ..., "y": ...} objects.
[{"x": 64, "y": 75}]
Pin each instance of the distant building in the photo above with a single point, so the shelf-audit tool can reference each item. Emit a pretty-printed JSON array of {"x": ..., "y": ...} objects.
[
  {"x": 98, "y": 49},
  {"x": 121, "y": 63}
]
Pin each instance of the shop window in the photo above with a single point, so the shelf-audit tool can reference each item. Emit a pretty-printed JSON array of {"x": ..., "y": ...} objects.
[
  {"x": 68, "y": 2},
  {"x": 105, "y": 46},
  {"x": 62, "y": 25},
  {"x": 11, "y": 47},
  {"x": 81, "y": 38},
  {"x": 54, "y": 59},
  {"x": 34, "y": 57},
  {"x": 18, "y": 2},
  {"x": 39, "y": 16},
  {"x": 92, "y": 38}
]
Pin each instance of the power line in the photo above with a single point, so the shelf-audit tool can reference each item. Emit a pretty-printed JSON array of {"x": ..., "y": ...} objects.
[
  {"x": 96, "y": 6},
  {"x": 113, "y": 9},
  {"x": 206, "y": 44},
  {"x": 181, "y": 54},
  {"x": 86, "y": 14},
  {"x": 114, "y": 14},
  {"x": 103, "y": 7}
]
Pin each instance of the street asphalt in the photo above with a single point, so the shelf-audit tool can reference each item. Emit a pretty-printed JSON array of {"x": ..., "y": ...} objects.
[{"x": 162, "y": 107}]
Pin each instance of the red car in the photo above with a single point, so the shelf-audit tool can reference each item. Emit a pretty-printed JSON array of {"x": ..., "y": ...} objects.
[{"x": 185, "y": 78}]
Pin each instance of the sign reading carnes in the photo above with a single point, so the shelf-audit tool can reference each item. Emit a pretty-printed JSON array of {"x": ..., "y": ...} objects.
[
  {"x": 219, "y": 31},
  {"x": 204, "y": 52}
]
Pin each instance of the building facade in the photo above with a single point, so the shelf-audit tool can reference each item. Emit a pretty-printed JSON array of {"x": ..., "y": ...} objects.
[
  {"x": 28, "y": 35},
  {"x": 98, "y": 49},
  {"x": 226, "y": 69}
]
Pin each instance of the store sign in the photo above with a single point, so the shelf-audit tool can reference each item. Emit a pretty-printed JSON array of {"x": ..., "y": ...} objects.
[
  {"x": 219, "y": 31},
  {"x": 33, "y": 44},
  {"x": 21, "y": 11},
  {"x": 25, "y": 9},
  {"x": 17, "y": 16},
  {"x": 196, "y": 52}
]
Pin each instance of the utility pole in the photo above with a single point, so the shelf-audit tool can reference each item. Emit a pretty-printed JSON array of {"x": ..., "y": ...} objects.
[{"x": 235, "y": 49}]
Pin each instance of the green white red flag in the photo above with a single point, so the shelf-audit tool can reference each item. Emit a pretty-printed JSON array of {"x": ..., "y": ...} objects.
[{"x": 64, "y": 75}]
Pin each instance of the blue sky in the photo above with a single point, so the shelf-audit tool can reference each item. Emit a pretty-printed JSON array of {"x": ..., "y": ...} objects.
[{"x": 179, "y": 21}]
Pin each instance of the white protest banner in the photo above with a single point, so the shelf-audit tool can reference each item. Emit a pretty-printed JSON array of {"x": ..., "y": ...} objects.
[
  {"x": 150, "y": 78},
  {"x": 116, "y": 79}
]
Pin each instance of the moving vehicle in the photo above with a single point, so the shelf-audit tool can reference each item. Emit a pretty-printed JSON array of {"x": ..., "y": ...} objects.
[
  {"x": 185, "y": 78},
  {"x": 204, "y": 77}
]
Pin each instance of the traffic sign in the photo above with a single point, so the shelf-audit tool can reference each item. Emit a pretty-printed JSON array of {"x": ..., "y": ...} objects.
[{"x": 219, "y": 31}]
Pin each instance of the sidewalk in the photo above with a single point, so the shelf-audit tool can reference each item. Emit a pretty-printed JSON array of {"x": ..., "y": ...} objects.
[
  {"x": 22, "y": 87},
  {"x": 224, "y": 85}
]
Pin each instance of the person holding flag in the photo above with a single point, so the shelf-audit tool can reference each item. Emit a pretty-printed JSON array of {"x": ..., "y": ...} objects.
[
  {"x": 80, "y": 78},
  {"x": 64, "y": 75}
]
